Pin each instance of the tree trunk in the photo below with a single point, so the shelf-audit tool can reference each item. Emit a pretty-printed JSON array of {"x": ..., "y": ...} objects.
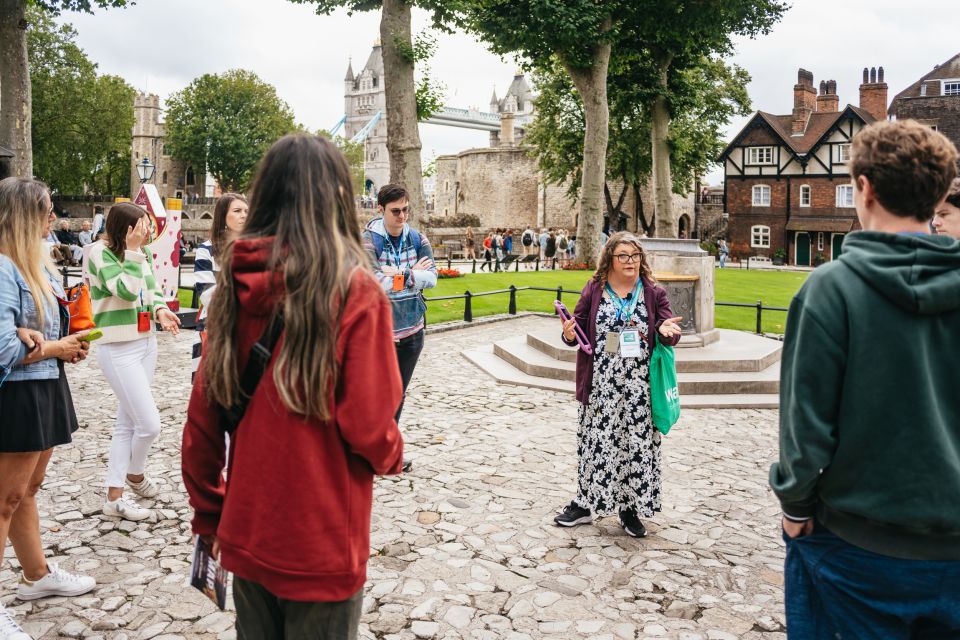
[
  {"x": 642, "y": 224},
  {"x": 591, "y": 83},
  {"x": 666, "y": 226},
  {"x": 15, "y": 87},
  {"x": 403, "y": 133}
]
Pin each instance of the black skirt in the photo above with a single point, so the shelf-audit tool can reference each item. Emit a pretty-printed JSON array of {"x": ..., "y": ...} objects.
[{"x": 36, "y": 415}]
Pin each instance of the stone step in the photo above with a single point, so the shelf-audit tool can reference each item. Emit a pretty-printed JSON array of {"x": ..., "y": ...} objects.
[
  {"x": 518, "y": 353},
  {"x": 504, "y": 373},
  {"x": 734, "y": 351}
]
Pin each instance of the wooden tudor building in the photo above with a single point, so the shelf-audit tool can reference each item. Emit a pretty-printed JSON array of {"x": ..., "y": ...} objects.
[{"x": 786, "y": 181}]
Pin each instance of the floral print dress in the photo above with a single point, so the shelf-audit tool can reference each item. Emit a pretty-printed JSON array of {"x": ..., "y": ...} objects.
[{"x": 618, "y": 445}]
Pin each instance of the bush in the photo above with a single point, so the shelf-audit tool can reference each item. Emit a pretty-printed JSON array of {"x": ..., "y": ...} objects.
[
  {"x": 449, "y": 273},
  {"x": 577, "y": 266},
  {"x": 459, "y": 220}
]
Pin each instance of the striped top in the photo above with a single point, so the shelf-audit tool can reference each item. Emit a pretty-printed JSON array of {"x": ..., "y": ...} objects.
[
  {"x": 205, "y": 268},
  {"x": 118, "y": 290}
]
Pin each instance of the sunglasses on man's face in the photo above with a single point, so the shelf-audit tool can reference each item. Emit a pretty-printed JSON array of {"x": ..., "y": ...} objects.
[{"x": 399, "y": 211}]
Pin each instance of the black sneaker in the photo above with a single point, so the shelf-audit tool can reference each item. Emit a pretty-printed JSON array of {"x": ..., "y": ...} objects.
[
  {"x": 632, "y": 525},
  {"x": 573, "y": 515},
  {"x": 407, "y": 465}
]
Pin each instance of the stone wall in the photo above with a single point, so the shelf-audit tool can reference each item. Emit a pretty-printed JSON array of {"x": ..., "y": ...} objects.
[
  {"x": 444, "y": 198},
  {"x": 499, "y": 186}
]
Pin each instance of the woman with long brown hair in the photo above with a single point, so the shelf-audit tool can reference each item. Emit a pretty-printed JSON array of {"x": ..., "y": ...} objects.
[
  {"x": 127, "y": 302},
  {"x": 622, "y": 311},
  {"x": 312, "y": 435},
  {"x": 229, "y": 216},
  {"x": 35, "y": 400}
]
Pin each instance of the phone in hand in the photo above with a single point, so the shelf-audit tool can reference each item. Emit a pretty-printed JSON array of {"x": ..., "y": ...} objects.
[{"x": 94, "y": 334}]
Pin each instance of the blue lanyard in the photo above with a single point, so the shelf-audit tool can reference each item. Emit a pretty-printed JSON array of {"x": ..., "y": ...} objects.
[
  {"x": 396, "y": 253},
  {"x": 626, "y": 306}
]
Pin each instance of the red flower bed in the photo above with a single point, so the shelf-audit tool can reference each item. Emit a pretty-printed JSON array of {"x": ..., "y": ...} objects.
[
  {"x": 576, "y": 266},
  {"x": 449, "y": 273}
]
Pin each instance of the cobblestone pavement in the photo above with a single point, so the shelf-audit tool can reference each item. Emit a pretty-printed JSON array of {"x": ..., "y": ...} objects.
[{"x": 464, "y": 546}]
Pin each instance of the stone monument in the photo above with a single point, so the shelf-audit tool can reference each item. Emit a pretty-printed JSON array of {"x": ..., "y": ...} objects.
[{"x": 686, "y": 272}]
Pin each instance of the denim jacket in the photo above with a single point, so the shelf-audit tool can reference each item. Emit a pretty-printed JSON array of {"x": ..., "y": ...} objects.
[{"x": 17, "y": 310}]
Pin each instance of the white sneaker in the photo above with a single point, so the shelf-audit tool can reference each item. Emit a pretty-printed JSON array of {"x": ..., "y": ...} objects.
[
  {"x": 57, "y": 582},
  {"x": 9, "y": 629},
  {"x": 127, "y": 509},
  {"x": 146, "y": 488}
]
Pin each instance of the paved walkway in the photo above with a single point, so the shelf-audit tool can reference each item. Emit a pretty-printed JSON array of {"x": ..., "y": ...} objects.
[{"x": 463, "y": 547}]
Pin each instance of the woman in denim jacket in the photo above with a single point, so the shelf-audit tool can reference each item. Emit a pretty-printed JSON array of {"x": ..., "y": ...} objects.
[{"x": 36, "y": 409}]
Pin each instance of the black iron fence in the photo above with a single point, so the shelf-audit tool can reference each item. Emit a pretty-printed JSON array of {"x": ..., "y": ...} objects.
[{"x": 468, "y": 296}]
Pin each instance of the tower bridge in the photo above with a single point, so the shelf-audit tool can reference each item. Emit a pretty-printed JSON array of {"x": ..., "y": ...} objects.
[{"x": 365, "y": 115}]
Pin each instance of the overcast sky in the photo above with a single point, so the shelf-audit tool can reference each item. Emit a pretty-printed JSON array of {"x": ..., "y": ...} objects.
[{"x": 161, "y": 45}]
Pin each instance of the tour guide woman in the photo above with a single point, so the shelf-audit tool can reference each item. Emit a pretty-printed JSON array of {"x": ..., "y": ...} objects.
[{"x": 621, "y": 311}]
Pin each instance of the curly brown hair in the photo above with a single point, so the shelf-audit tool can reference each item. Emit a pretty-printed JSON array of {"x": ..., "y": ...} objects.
[
  {"x": 909, "y": 165},
  {"x": 953, "y": 196},
  {"x": 606, "y": 257}
]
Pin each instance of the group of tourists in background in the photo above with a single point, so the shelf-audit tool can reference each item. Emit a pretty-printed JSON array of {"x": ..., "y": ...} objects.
[{"x": 306, "y": 300}]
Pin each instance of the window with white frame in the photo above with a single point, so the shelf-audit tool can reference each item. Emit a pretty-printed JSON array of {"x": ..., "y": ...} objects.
[
  {"x": 845, "y": 195},
  {"x": 804, "y": 195},
  {"x": 820, "y": 241},
  {"x": 843, "y": 153},
  {"x": 761, "y": 195},
  {"x": 951, "y": 87},
  {"x": 760, "y": 236},
  {"x": 760, "y": 155}
]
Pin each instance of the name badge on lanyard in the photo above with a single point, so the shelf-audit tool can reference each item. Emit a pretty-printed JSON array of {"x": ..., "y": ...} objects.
[
  {"x": 399, "y": 280},
  {"x": 626, "y": 342}
]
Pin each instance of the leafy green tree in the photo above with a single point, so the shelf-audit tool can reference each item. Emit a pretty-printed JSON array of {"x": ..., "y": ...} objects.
[
  {"x": 406, "y": 102},
  {"x": 578, "y": 35},
  {"x": 676, "y": 35},
  {"x": 706, "y": 96},
  {"x": 81, "y": 121},
  {"x": 224, "y": 124},
  {"x": 15, "y": 89}
]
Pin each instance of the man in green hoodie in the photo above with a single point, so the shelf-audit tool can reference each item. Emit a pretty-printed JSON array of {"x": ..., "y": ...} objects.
[{"x": 869, "y": 470}]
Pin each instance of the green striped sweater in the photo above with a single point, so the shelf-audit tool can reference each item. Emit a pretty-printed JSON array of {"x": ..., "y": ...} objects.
[{"x": 119, "y": 290}]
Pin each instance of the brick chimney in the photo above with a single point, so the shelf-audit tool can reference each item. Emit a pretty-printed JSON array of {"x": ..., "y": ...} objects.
[
  {"x": 828, "y": 101},
  {"x": 873, "y": 93},
  {"x": 804, "y": 102}
]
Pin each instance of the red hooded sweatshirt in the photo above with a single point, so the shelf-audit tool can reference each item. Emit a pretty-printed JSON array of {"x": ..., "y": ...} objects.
[{"x": 294, "y": 514}]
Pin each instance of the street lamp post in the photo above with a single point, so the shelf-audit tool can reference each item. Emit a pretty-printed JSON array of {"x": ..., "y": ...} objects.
[{"x": 145, "y": 170}]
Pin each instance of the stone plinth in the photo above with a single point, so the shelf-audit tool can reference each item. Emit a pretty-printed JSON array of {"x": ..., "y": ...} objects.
[{"x": 686, "y": 272}]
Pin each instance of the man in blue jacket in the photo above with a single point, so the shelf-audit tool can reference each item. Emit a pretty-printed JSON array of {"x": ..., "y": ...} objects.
[
  {"x": 869, "y": 470},
  {"x": 403, "y": 263}
]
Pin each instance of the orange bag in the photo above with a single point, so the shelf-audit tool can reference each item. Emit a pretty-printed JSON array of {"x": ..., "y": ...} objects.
[{"x": 80, "y": 308}]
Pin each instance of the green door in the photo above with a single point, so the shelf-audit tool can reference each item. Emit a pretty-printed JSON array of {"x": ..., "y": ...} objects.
[
  {"x": 836, "y": 245},
  {"x": 803, "y": 249}
]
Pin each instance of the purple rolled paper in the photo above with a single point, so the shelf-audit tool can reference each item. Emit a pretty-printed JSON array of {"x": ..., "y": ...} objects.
[{"x": 578, "y": 332}]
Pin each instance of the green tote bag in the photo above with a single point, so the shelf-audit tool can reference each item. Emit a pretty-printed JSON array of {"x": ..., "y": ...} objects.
[{"x": 664, "y": 394}]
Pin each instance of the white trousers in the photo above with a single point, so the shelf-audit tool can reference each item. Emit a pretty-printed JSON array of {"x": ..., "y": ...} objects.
[{"x": 129, "y": 368}]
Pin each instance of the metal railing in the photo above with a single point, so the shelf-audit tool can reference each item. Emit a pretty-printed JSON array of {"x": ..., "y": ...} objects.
[{"x": 468, "y": 296}]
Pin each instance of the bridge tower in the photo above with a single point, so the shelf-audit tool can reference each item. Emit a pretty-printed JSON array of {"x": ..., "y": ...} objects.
[{"x": 364, "y": 96}]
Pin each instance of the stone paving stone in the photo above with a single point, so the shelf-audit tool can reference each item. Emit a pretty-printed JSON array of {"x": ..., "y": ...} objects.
[{"x": 462, "y": 547}]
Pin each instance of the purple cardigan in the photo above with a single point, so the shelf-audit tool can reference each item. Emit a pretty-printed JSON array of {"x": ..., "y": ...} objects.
[{"x": 658, "y": 308}]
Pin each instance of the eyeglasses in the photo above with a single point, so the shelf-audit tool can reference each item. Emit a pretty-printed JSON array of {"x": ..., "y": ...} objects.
[
  {"x": 626, "y": 258},
  {"x": 397, "y": 211}
]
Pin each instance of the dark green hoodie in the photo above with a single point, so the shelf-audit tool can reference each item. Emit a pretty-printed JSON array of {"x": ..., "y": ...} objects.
[{"x": 870, "y": 397}]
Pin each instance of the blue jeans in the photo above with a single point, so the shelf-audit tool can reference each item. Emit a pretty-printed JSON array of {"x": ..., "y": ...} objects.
[
  {"x": 723, "y": 259},
  {"x": 835, "y": 590}
]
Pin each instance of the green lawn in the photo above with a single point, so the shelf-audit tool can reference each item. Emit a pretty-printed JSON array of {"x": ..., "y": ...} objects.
[{"x": 774, "y": 288}]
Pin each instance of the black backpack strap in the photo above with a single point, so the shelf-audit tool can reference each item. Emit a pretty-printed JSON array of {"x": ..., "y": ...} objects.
[{"x": 260, "y": 356}]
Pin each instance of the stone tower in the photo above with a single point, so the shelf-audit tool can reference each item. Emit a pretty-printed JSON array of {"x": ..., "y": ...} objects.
[
  {"x": 173, "y": 177},
  {"x": 364, "y": 96}
]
